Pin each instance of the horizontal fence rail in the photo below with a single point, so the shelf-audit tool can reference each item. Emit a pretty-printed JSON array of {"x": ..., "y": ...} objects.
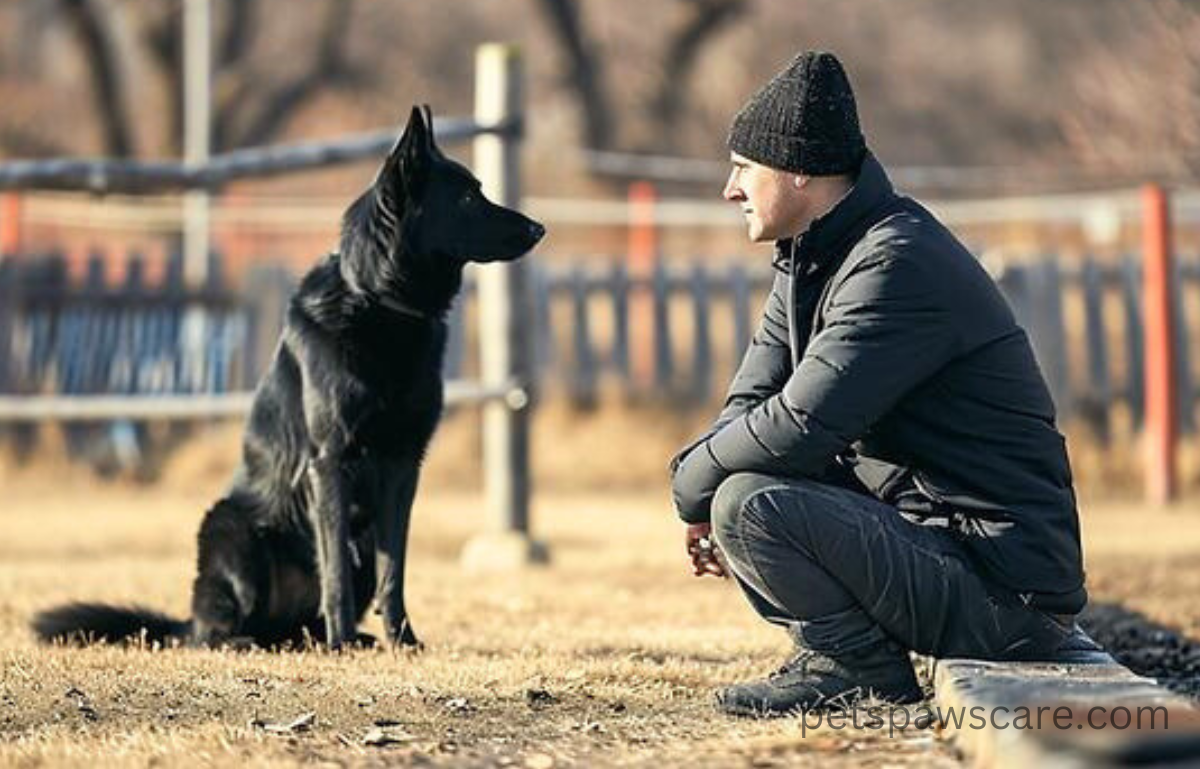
[
  {"x": 91, "y": 350},
  {"x": 106, "y": 408},
  {"x": 139, "y": 176}
]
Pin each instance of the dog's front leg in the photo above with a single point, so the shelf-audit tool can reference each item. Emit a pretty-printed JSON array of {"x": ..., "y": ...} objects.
[
  {"x": 330, "y": 516},
  {"x": 391, "y": 544}
]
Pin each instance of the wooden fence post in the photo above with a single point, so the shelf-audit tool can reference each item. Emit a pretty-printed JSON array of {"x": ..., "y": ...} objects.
[
  {"x": 8, "y": 318},
  {"x": 197, "y": 82},
  {"x": 1098, "y": 392},
  {"x": 1135, "y": 338},
  {"x": 701, "y": 384},
  {"x": 664, "y": 362},
  {"x": 505, "y": 329},
  {"x": 1157, "y": 272},
  {"x": 10, "y": 223},
  {"x": 1185, "y": 420},
  {"x": 619, "y": 284},
  {"x": 583, "y": 358},
  {"x": 739, "y": 289}
]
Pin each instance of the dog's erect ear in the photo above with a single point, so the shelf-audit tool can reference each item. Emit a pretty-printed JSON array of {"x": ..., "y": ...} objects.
[{"x": 408, "y": 162}]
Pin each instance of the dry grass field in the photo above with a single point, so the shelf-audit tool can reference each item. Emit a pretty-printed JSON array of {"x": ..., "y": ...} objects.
[{"x": 607, "y": 656}]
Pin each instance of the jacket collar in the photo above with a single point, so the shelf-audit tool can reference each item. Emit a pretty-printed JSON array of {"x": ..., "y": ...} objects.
[{"x": 823, "y": 241}]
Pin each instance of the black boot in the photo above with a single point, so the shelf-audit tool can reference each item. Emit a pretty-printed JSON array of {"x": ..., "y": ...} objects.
[{"x": 813, "y": 680}]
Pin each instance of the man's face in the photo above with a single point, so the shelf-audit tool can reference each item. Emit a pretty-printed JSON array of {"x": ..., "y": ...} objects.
[{"x": 774, "y": 202}]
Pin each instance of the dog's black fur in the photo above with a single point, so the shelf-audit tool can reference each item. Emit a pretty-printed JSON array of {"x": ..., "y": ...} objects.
[{"x": 316, "y": 521}]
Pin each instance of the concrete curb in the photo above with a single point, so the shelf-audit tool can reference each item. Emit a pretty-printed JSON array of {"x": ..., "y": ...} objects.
[{"x": 1041, "y": 714}]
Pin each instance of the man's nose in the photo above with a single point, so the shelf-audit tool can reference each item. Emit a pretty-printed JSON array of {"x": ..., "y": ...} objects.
[{"x": 732, "y": 191}]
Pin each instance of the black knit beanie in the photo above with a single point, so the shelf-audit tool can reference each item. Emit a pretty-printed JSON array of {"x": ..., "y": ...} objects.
[{"x": 803, "y": 120}]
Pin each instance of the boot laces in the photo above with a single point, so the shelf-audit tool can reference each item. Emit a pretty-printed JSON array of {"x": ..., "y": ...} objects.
[{"x": 798, "y": 661}]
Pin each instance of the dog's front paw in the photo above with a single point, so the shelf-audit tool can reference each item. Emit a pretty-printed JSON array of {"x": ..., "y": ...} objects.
[{"x": 239, "y": 643}]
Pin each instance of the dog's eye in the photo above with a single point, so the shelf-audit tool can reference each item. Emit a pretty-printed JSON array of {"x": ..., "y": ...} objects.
[{"x": 467, "y": 197}]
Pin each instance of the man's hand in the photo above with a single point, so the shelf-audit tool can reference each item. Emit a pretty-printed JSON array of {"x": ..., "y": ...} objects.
[{"x": 702, "y": 549}]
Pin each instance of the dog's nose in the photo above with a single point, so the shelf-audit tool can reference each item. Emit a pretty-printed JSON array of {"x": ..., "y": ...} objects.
[{"x": 536, "y": 231}]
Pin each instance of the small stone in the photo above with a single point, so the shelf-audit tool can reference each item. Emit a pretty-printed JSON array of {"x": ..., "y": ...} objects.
[
  {"x": 539, "y": 697},
  {"x": 379, "y": 738},
  {"x": 301, "y": 723},
  {"x": 459, "y": 706}
]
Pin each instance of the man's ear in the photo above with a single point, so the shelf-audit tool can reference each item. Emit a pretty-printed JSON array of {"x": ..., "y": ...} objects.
[{"x": 800, "y": 181}]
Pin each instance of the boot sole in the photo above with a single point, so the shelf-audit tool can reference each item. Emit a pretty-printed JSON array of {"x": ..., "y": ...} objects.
[{"x": 857, "y": 695}]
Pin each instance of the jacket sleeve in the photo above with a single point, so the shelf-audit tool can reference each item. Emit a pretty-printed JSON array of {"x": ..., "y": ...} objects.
[
  {"x": 885, "y": 331},
  {"x": 764, "y": 368}
]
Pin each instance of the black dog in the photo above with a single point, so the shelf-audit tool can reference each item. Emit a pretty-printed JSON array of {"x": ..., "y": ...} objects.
[{"x": 316, "y": 521}]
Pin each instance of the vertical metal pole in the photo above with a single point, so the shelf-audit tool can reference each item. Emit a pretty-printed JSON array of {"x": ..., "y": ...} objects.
[
  {"x": 197, "y": 76},
  {"x": 506, "y": 328},
  {"x": 642, "y": 260},
  {"x": 1160, "y": 365}
]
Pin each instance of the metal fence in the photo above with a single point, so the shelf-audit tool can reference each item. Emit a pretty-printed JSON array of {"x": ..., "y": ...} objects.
[
  {"x": 95, "y": 337},
  {"x": 1085, "y": 320}
]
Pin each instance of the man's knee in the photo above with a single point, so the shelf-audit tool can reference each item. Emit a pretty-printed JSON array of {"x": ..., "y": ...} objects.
[
  {"x": 732, "y": 498},
  {"x": 778, "y": 504}
]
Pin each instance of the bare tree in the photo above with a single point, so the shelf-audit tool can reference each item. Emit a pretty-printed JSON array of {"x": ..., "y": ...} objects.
[
  {"x": 90, "y": 25},
  {"x": 586, "y": 71},
  {"x": 327, "y": 67},
  {"x": 703, "y": 20},
  {"x": 249, "y": 107},
  {"x": 1141, "y": 118}
]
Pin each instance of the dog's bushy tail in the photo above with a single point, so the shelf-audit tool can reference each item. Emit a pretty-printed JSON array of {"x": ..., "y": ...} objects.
[{"x": 86, "y": 623}]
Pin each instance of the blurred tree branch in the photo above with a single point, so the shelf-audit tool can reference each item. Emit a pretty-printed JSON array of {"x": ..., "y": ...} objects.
[
  {"x": 327, "y": 67},
  {"x": 248, "y": 109},
  {"x": 1140, "y": 111},
  {"x": 705, "y": 18},
  {"x": 89, "y": 23},
  {"x": 586, "y": 76}
]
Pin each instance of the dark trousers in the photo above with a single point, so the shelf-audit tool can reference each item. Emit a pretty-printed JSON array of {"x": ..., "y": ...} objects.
[{"x": 843, "y": 571}]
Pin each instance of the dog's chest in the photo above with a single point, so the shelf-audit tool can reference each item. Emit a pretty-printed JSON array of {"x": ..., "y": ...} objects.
[
  {"x": 396, "y": 415},
  {"x": 400, "y": 381}
]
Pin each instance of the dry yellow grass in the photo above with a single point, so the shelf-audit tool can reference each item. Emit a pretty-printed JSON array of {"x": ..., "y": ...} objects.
[{"x": 605, "y": 657}]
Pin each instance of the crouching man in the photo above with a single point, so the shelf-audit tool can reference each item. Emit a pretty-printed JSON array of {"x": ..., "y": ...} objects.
[{"x": 886, "y": 474}]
